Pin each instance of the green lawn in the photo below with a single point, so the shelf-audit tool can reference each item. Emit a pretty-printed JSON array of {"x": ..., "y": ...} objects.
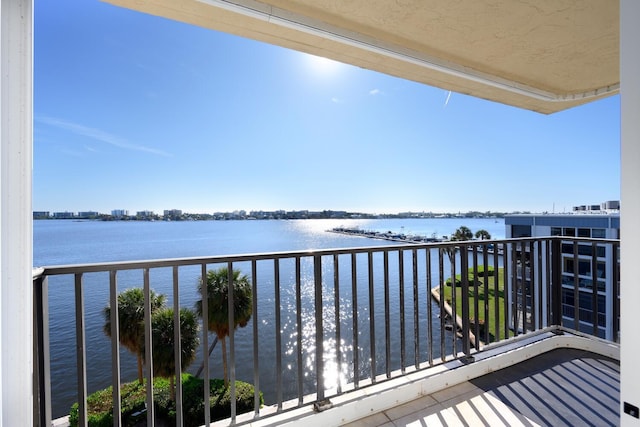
[{"x": 482, "y": 295}]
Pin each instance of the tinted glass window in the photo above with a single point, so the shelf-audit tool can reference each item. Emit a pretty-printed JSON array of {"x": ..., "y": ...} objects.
[
  {"x": 584, "y": 232},
  {"x": 520, "y": 231}
]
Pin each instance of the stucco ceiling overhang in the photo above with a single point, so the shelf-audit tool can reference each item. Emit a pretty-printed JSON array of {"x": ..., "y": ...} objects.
[{"x": 542, "y": 55}]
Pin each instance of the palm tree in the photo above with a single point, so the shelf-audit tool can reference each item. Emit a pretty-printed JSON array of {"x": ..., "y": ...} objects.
[
  {"x": 461, "y": 234},
  {"x": 483, "y": 235},
  {"x": 217, "y": 299},
  {"x": 131, "y": 320},
  {"x": 164, "y": 363}
]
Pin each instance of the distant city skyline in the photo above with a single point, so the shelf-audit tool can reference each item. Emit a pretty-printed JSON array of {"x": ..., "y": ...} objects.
[
  {"x": 140, "y": 112},
  {"x": 604, "y": 207},
  {"x": 242, "y": 212},
  {"x": 177, "y": 215}
]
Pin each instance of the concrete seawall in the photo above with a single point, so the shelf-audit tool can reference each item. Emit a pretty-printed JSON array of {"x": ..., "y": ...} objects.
[{"x": 435, "y": 294}]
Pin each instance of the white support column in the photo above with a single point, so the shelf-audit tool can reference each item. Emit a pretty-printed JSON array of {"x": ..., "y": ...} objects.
[
  {"x": 629, "y": 207},
  {"x": 16, "y": 301}
]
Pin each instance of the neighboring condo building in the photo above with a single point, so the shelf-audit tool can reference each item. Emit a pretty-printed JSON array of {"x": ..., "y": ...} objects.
[
  {"x": 41, "y": 215},
  {"x": 119, "y": 213},
  {"x": 64, "y": 215},
  {"x": 595, "y": 222}
]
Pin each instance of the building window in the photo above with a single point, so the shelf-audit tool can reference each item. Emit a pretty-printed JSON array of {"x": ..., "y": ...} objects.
[
  {"x": 556, "y": 231},
  {"x": 598, "y": 233},
  {"x": 569, "y": 231},
  {"x": 585, "y": 307},
  {"x": 568, "y": 265},
  {"x": 520, "y": 231},
  {"x": 584, "y": 232},
  {"x": 584, "y": 268},
  {"x": 584, "y": 249},
  {"x": 601, "y": 269}
]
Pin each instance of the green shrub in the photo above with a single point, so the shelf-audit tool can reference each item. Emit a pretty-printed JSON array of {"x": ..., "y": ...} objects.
[
  {"x": 100, "y": 408},
  {"x": 481, "y": 269},
  {"x": 219, "y": 400},
  {"x": 448, "y": 282},
  {"x": 459, "y": 282}
]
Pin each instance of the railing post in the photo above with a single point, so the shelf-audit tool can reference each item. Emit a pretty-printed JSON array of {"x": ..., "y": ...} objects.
[
  {"x": 464, "y": 276},
  {"x": 441, "y": 300},
  {"x": 205, "y": 342},
  {"x": 299, "y": 332},
  {"x": 177, "y": 351},
  {"x": 615, "y": 294},
  {"x": 256, "y": 359},
  {"x": 336, "y": 301},
  {"x": 556, "y": 282},
  {"x": 402, "y": 318},
  {"x": 513, "y": 306},
  {"x": 41, "y": 355},
  {"x": 148, "y": 344},
  {"x": 321, "y": 403},
  {"x": 232, "y": 352},
  {"x": 278, "y": 307},
  {"x": 594, "y": 289},
  {"x": 115, "y": 348},
  {"x": 317, "y": 275},
  {"x": 81, "y": 356},
  {"x": 416, "y": 316},
  {"x": 356, "y": 345},
  {"x": 372, "y": 318},
  {"x": 387, "y": 315}
]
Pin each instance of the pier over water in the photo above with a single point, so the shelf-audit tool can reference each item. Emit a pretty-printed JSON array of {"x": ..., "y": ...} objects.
[{"x": 388, "y": 235}]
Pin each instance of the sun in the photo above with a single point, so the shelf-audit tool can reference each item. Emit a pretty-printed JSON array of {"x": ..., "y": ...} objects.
[{"x": 322, "y": 66}]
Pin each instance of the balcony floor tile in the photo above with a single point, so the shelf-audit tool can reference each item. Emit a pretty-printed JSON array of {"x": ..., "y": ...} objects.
[{"x": 564, "y": 387}]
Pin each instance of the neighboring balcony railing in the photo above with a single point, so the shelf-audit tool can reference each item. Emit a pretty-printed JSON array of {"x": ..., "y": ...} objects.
[{"x": 329, "y": 321}]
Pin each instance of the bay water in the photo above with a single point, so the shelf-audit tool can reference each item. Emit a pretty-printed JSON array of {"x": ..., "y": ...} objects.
[{"x": 64, "y": 242}]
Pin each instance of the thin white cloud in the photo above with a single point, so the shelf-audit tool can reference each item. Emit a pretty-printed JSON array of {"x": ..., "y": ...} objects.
[
  {"x": 73, "y": 153},
  {"x": 99, "y": 135},
  {"x": 337, "y": 100},
  {"x": 375, "y": 92},
  {"x": 446, "y": 102}
]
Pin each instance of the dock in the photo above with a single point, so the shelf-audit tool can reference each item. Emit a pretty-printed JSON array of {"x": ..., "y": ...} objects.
[{"x": 389, "y": 235}]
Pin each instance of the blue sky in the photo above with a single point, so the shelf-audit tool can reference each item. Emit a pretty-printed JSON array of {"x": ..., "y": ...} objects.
[{"x": 137, "y": 112}]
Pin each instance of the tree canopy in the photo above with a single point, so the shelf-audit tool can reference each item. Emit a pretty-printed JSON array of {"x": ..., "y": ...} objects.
[
  {"x": 462, "y": 233},
  {"x": 217, "y": 285},
  {"x": 131, "y": 320},
  {"x": 163, "y": 342},
  {"x": 483, "y": 235}
]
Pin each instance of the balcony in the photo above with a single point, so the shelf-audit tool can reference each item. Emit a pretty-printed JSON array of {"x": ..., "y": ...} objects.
[{"x": 395, "y": 334}]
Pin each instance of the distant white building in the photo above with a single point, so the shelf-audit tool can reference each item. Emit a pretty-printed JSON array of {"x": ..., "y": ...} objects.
[
  {"x": 119, "y": 213},
  {"x": 41, "y": 214},
  {"x": 88, "y": 214},
  {"x": 145, "y": 214},
  {"x": 64, "y": 215},
  {"x": 172, "y": 213},
  {"x": 585, "y": 222}
]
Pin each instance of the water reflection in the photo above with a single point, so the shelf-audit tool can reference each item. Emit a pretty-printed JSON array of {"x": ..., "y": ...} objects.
[
  {"x": 65, "y": 242},
  {"x": 293, "y": 305},
  {"x": 298, "y": 346}
]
